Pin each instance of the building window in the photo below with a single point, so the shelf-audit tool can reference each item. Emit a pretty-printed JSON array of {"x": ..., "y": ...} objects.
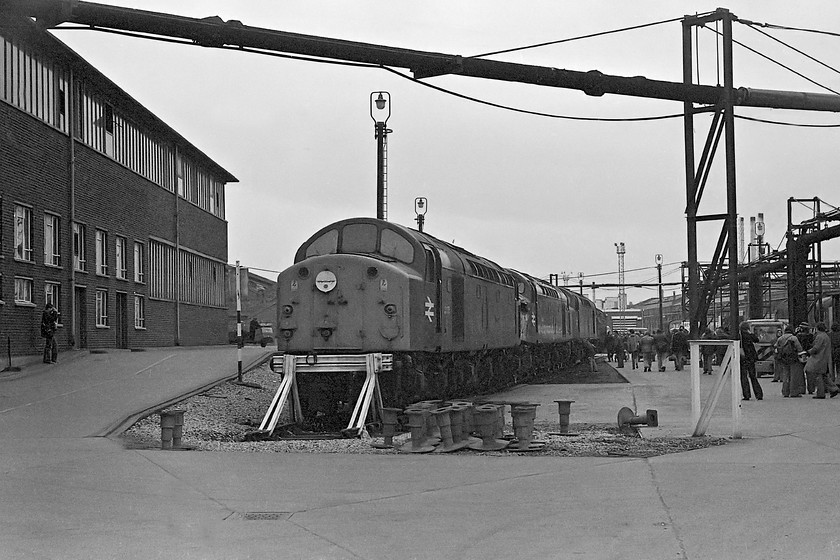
[
  {"x": 101, "y": 308},
  {"x": 121, "y": 258},
  {"x": 23, "y": 290},
  {"x": 139, "y": 262},
  {"x": 23, "y": 233},
  {"x": 79, "y": 248},
  {"x": 52, "y": 240},
  {"x": 139, "y": 312},
  {"x": 101, "y": 252},
  {"x": 162, "y": 270},
  {"x": 52, "y": 294}
]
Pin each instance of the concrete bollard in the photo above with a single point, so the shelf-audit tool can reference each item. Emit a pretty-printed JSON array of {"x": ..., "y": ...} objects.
[
  {"x": 417, "y": 425},
  {"x": 389, "y": 428},
  {"x": 564, "y": 408},
  {"x": 443, "y": 418},
  {"x": 486, "y": 418},
  {"x": 167, "y": 427},
  {"x": 523, "y": 427},
  {"x": 177, "y": 428}
]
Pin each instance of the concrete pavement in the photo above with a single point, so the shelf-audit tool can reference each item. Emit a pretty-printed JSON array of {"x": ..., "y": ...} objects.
[{"x": 68, "y": 495}]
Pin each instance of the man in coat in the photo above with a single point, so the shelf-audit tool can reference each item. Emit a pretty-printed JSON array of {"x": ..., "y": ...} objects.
[
  {"x": 816, "y": 368},
  {"x": 679, "y": 347},
  {"x": 749, "y": 356},
  {"x": 787, "y": 364},
  {"x": 49, "y": 324}
]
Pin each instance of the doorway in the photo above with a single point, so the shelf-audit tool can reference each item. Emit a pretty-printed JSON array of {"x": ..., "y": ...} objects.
[{"x": 81, "y": 316}]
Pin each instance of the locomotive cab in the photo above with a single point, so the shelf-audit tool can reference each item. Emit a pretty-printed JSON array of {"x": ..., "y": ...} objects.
[{"x": 359, "y": 285}]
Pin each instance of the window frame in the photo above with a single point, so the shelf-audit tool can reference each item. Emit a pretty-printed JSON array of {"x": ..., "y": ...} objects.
[
  {"x": 52, "y": 239},
  {"x": 120, "y": 257},
  {"x": 26, "y": 254},
  {"x": 101, "y": 309},
  {"x": 25, "y": 280},
  {"x": 79, "y": 247},
  {"x": 101, "y": 252},
  {"x": 139, "y": 312},
  {"x": 139, "y": 262},
  {"x": 52, "y": 294}
]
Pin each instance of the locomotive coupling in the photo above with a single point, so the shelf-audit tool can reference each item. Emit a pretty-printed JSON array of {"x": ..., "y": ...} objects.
[{"x": 627, "y": 418}]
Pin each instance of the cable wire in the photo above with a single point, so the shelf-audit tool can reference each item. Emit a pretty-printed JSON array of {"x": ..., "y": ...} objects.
[
  {"x": 791, "y": 47},
  {"x": 526, "y": 111},
  {"x": 589, "y": 36},
  {"x": 781, "y": 123},
  {"x": 774, "y": 61}
]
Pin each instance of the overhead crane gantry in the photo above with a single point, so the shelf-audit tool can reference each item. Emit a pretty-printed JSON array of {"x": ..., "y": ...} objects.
[{"x": 721, "y": 100}]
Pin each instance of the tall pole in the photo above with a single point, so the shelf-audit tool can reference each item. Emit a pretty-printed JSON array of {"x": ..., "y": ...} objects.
[
  {"x": 380, "y": 112},
  {"x": 659, "y": 274},
  {"x": 238, "y": 324},
  {"x": 622, "y": 296},
  {"x": 729, "y": 132}
]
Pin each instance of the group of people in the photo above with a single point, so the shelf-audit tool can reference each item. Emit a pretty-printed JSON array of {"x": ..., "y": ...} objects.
[
  {"x": 644, "y": 347},
  {"x": 806, "y": 360}
]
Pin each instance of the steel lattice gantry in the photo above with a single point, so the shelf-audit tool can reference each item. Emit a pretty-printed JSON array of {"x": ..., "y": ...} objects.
[
  {"x": 215, "y": 32},
  {"x": 701, "y": 293}
]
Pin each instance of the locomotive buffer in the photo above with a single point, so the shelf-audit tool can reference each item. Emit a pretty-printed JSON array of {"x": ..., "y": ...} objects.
[{"x": 289, "y": 365}]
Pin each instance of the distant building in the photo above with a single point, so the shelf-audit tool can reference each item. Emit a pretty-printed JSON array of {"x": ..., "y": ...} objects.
[
  {"x": 630, "y": 318},
  {"x": 105, "y": 210}
]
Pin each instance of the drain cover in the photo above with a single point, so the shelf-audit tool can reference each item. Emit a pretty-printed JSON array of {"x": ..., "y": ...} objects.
[{"x": 266, "y": 515}]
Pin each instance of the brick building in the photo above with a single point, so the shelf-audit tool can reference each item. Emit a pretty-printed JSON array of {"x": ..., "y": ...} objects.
[{"x": 104, "y": 210}]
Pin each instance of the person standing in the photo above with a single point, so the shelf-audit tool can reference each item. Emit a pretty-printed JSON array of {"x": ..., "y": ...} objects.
[
  {"x": 660, "y": 340},
  {"x": 49, "y": 324},
  {"x": 749, "y": 357},
  {"x": 648, "y": 348},
  {"x": 816, "y": 368},
  {"x": 679, "y": 347},
  {"x": 633, "y": 348},
  {"x": 786, "y": 351}
]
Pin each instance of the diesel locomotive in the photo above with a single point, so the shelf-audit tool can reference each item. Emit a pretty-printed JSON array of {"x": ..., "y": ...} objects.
[{"x": 456, "y": 323}]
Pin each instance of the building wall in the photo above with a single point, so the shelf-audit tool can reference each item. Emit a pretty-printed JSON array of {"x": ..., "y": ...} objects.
[{"x": 35, "y": 173}]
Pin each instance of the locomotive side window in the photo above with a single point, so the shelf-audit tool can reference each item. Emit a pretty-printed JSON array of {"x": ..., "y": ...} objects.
[
  {"x": 327, "y": 244},
  {"x": 359, "y": 238},
  {"x": 396, "y": 246}
]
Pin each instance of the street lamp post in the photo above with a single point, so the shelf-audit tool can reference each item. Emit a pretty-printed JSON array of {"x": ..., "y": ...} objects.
[
  {"x": 659, "y": 273},
  {"x": 420, "y": 207},
  {"x": 380, "y": 112}
]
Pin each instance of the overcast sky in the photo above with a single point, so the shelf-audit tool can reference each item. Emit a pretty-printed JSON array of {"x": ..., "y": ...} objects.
[{"x": 539, "y": 194}]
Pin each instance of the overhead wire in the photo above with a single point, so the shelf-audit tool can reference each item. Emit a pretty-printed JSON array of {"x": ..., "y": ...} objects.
[
  {"x": 383, "y": 67},
  {"x": 579, "y": 37},
  {"x": 774, "y": 61}
]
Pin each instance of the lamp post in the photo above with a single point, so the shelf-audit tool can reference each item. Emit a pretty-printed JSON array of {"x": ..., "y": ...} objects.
[
  {"x": 380, "y": 112},
  {"x": 420, "y": 207},
  {"x": 659, "y": 274}
]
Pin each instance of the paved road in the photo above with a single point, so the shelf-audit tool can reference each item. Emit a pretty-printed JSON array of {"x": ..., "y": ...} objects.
[{"x": 68, "y": 495}]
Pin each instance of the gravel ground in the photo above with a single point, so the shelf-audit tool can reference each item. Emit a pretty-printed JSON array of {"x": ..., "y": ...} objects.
[{"x": 218, "y": 420}]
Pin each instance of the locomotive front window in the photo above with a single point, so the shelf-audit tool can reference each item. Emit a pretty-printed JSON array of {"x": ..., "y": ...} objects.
[
  {"x": 327, "y": 244},
  {"x": 359, "y": 238},
  {"x": 396, "y": 246}
]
